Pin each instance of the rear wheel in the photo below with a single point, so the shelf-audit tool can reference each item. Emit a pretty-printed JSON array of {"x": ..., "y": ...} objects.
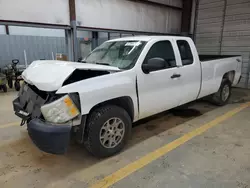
[
  {"x": 223, "y": 95},
  {"x": 107, "y": 130}
]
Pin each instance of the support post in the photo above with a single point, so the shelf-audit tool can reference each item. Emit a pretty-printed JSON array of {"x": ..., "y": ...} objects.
[
  {"x": 196, "y": 19},
  {"x": 95, "y": 39},
  {"x": 69, "y": 44},
  {"x": 72, "y": 15},
  {"x": 222, "y": 26},
  {"x": 7, "y": 30},
  {"x": 186, "y": 17},
  {"x": 75, "y": 41},
  {"x": 25, "y": 58}
]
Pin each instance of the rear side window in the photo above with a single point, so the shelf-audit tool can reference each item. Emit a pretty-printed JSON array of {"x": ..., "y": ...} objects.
[
  {"x": 185, "y": 52},
  {"x": 164, "y": 50}
]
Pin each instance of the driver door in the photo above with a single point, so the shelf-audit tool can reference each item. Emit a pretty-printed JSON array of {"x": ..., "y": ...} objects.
[{"x": 159, "y": 90}]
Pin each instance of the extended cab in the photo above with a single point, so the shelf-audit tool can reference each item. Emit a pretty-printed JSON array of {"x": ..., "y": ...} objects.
[{"x": 120, "y": 82}]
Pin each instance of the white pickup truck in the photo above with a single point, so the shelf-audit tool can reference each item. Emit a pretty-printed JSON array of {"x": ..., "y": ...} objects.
[{"x": 120, "y": 82}]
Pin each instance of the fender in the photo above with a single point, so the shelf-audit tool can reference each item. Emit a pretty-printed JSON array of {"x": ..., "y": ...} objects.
[{"x": 96, "y": 90}]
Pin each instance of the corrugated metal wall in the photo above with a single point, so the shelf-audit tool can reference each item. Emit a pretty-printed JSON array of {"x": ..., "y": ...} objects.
[
  {"x": 223, "y": 27},
  {"x": 128, "y": 15},
  {"x": 236, "y": 34},
  {"x": 44, "y": 11},
  {"x": 37, "y": 47}
]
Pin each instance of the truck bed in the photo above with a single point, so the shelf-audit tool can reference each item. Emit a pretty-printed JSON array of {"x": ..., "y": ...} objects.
[
  {"x": 214, "y": 57},
  {"x": 213, "y": 68}
]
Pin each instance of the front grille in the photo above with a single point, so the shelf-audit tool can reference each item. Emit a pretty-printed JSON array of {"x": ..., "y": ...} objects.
[
  {"x": 31, "y": 99},
  {"x": 42, "y": 94}
]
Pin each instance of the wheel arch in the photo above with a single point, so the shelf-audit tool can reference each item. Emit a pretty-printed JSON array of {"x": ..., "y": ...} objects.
[
  {"x": 228, "y": 76},
  {"x": 124, "y": 102}
]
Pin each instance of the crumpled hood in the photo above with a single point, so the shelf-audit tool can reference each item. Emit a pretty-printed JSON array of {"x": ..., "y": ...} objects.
[{"x": 49, "y": 75}]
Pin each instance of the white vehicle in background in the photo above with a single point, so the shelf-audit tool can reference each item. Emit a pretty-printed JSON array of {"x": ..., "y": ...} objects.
[{"x": 120, "y": 82}]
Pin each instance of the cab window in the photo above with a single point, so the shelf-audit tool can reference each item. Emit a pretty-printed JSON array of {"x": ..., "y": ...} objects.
[
  {"x": 185, "y": 52},
  {"x": 163, "y": 50}
]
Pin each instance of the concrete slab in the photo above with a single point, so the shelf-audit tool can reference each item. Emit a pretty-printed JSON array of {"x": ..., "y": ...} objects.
[
  {"x": 218, "y": 158},
  {"x": 6, "y": 109},
  {"x": 23, "y": 165}
]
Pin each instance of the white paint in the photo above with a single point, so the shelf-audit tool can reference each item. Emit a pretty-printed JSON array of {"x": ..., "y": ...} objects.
[
  {"x": 190, "y": 74},
  {"x": 99, "y": 89},
  {"x": 213, "y": 71},
  {"x": 49, "y": 75},
  {"x": 127, "y": 15},
  {"x": 45, "y": 11},
  {"x": 157, "y": 91}
]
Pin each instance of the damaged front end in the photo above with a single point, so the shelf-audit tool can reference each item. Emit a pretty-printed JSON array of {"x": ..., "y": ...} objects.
[
  {"x": 52, "y": 117},
  {"x": 49, "y": 117}
]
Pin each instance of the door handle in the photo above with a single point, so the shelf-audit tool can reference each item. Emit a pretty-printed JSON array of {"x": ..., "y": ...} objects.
[{"x": 175, "y": 76}]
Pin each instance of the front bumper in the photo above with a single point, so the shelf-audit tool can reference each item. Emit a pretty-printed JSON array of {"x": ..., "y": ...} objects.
[{"x": 48, "y": 137}]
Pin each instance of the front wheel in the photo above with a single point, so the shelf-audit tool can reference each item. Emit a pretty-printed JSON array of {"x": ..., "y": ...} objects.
[
  {"x": 107, "y": 130},
  {"x": 223, "y": 95}
]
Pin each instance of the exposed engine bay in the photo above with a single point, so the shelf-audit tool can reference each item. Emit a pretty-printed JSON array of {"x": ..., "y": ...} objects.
[
  {"x": 33, "y": 102},
  {"x": 79, "y": 75}
]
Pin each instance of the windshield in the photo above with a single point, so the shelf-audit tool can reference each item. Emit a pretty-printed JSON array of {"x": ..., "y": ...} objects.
[{"x": 121, "y": 54}]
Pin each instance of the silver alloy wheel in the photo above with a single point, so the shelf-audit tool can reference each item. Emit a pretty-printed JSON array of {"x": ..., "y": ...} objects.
[
  {"x": 225, "y": 93},
  {"x": 112, "y": 132}
]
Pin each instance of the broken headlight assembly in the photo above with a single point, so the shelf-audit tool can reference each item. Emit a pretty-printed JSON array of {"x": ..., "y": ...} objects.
[{"x": 60, "y": 111}]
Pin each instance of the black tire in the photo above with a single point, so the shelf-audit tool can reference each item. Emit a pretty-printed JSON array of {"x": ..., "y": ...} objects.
[
  {"x": 17, "y": 85},
  {"x": 4, "y": 87},
  {"x": 217, "y": 98},
  {"x": 10, "y": 83},
  {"x": 93, "y": 127}
]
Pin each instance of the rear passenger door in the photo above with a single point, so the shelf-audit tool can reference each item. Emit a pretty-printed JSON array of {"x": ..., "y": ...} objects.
[{"x": 190, "y": 71}]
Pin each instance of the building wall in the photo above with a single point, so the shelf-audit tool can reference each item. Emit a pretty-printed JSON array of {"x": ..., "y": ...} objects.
[
  {"x": 2, "y": 30},
  {"x": 127, "y": 15},
  {"x": 43, "y": 11},
  {"x": 177, "y": 3},
  {"x": 34, "y": 31},
  {"x": 223, "y": 27},
  {"x": 36, "y": 47},
  {"x": 39, "y": 43}
]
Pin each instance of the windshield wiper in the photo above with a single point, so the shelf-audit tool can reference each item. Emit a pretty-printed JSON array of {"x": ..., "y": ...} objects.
[
  {"x": 102, "y": 64},
  {"x": 94, "y": 62}
]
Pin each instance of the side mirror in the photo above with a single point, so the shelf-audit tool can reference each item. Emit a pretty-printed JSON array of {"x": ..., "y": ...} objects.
[{"x": 153, "y": 64}]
